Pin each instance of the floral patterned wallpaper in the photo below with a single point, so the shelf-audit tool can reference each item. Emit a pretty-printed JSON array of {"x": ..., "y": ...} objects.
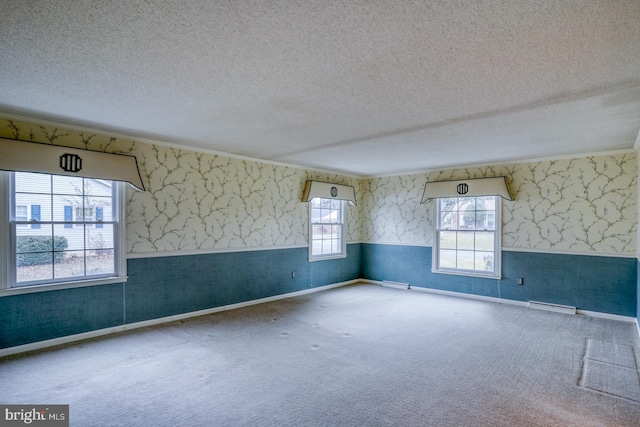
[
  {"x": 582, "y": 205},
  {"x": 198, "y": 201}
]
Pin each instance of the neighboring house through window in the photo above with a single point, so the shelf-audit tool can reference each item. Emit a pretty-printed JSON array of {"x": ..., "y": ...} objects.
[{"x": 467, "y": 237}]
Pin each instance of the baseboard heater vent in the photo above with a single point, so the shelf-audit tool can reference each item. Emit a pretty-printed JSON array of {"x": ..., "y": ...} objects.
[
  {"x": 397, "y": 285},
  {"x": 552, "y": 307}
]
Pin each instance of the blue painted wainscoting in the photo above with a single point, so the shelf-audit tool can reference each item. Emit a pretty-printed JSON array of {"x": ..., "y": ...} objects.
[
  {"x": 638, "y": 296},
  {"x": 40, "y": 316},
  {"x": 594, "y": 283},
  {"x": 161, "y": 287},
  {"x": 164, "y": 286}
]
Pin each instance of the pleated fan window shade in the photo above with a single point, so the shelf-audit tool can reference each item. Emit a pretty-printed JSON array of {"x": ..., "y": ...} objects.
[{"x": 25, "y": 156}]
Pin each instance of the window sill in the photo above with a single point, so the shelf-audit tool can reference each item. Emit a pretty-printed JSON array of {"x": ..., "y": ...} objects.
[
  {"x": 468, "y": 274},
  {"x": 62, "y": 285},
  {"x": 328, "y": 257}
]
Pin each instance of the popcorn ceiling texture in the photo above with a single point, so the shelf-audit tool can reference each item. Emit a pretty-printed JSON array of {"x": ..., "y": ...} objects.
[
  {"x": 198, "y": 201},
  {"x": 407, "y": 85}
]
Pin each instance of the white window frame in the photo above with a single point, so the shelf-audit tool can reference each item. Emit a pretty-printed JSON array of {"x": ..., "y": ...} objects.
[
  {"x": 341, "y": 222},
  {"x": 497, "y": 248},
  {"x": 7, "y": 245}
]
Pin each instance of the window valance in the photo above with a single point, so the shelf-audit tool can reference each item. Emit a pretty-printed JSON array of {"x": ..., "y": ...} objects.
[
  {"x": 53, "y": 159},
  {"x": 326, "y": 190},
  {"x": 467, "y": 188}
]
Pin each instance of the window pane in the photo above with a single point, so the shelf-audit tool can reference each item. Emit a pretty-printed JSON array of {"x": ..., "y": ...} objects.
[
  {"x": 101, "y": 262},
  {"x": 67, "y": 185},
  {"x": 484, "y": 241},
  {"x": 449, "y": 204},
  {"x": 449, "y": 220},
  {"x": 447, "y": 258},
  {"x": 484, "y": 261},
  {"x": 34, "y": 267},
  {"x": 29, "y": 240},
  {"x": 101, "y": 238},
  {"x": 104, "y": 204},
  {"x": 70, "y": 264},
  {"x": 466, "y": 240},
  {"x": 336, "y": 231},
  {"x": 467, "y": 215},
  {"x": 316, "y": 232},
  {"x": 486, "y": 203},
  {"x": 63, "y": 207},
  {"x": 465, "y": 260},
  {"x": 68, "y": 238},
  {"x": 27, "y": 182},
  {"x": 448, "y": 239}
]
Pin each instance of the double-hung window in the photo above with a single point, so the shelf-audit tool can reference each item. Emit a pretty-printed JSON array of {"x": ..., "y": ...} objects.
[
  {"x": 467, "y": 238},
  {"x": 326, "y": 234},
  {"x": 61, "y": 229}
]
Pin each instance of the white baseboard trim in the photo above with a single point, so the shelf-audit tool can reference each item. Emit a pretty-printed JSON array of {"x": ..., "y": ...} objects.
[
  {"x": 627, "y": 319},
  {"x": 126, "y": 327},
  {"x": 617, "y": 317},
  {"x": 451, "y": 293}
]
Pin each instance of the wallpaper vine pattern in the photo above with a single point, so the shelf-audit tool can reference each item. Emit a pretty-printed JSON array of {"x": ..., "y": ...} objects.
[
  {"x": 197, "y": 201},
  {"x": 582, "y": 205}
]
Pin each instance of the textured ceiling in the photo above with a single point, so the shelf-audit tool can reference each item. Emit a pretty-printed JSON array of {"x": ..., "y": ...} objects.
[{"x": 357, "y": 86}]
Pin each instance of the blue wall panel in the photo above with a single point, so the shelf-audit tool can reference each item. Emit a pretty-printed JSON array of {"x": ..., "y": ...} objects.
[
  {"x": 41, "y": 316},
  {"x": 594, "y": 283},
  {"x": 165, "y": 286}
]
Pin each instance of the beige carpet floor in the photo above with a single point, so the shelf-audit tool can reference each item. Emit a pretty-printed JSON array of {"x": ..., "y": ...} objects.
[{"x": 360, "y": 355}]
